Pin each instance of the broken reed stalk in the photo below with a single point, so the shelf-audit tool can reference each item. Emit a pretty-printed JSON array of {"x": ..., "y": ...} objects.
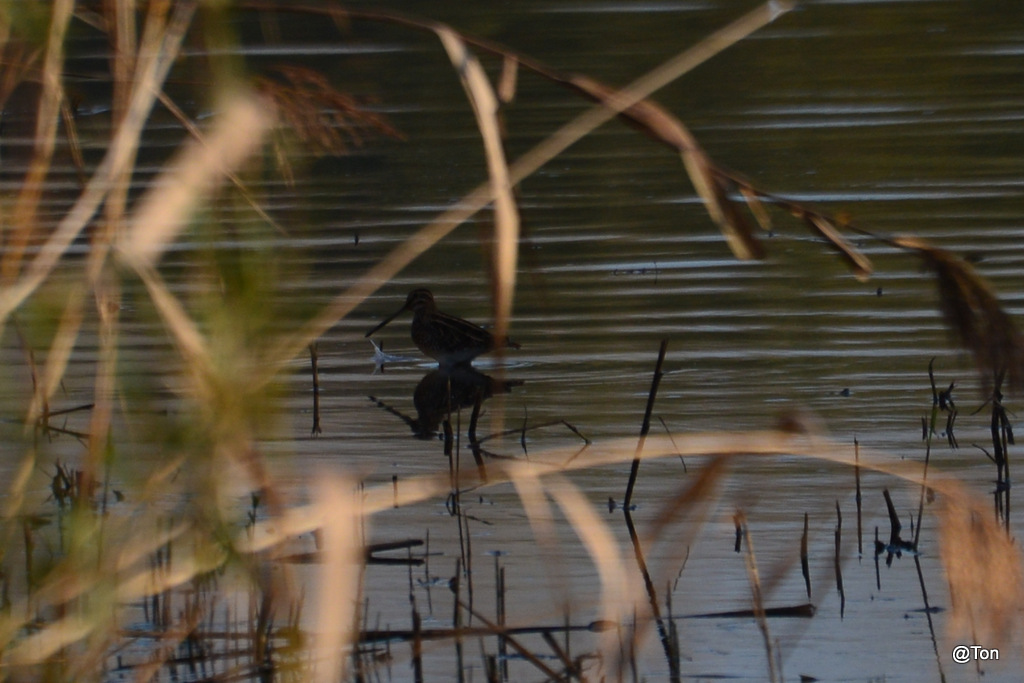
[
  {"x": 877, "y": 554},
  {"x": 933, "y": 420},
  {"x": 664, "y": 630},
  {"x": 645, "y": 428},
  {"x": 313, "y": 358},
  {"x": 499, "y": 611},
  {"x": 756, "y": 597},
  {"x": 674, "y": 655},
  {"x": 856, "y": 478},
  {"x": 652, "y": 597},
  {"x": 1002, "y": 437},
  {"x": 804, "y": 560},
  {"x": 837, "y": 561}
]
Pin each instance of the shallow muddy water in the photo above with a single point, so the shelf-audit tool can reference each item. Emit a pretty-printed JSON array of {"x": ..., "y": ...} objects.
[{"x": 907, "y": 116}]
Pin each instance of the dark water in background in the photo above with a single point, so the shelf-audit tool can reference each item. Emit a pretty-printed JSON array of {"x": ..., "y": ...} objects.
[{"x": 906, "y": 115}]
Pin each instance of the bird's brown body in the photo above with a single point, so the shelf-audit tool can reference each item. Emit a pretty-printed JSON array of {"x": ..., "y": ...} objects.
[{"x": 449, "y": 340}]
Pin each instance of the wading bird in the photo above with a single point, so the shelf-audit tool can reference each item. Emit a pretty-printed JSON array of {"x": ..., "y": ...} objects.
[{"x": 449, "y": 340}]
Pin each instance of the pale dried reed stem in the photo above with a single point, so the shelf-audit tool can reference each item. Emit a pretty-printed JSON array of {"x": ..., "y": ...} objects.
[
  {"x": 506, "y": 214},
  {"x": 339, "y": 577}
]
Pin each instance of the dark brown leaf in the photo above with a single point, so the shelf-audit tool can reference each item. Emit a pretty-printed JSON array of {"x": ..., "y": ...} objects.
[
  {"x": 973, "y": 313},
  {"x": 652, "y": 119}
]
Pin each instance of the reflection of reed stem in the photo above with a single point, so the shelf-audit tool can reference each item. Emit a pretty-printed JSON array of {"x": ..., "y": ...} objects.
[
  {"x": 928, "y": 613},
  {"x": 856, "y": 479},
  {"x": 456, "y": 585}
]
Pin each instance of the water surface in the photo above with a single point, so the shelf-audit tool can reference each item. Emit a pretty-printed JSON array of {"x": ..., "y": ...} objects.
[{"x": 904, "y": 115}]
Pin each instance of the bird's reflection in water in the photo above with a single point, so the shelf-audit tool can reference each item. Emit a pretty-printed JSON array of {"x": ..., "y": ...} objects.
[{"x": 443, "y": 393}]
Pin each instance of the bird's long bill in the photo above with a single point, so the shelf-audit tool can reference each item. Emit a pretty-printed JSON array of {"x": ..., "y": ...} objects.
[{"x": 386, "y": 320}]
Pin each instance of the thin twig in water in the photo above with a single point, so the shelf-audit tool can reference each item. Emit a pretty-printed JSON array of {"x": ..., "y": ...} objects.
[
  {"x": 316, "y": 389},
  {"x": 928, "y": 450},
  {"x": 668, "y": 433},
  {"x": 645, "y": 428}
]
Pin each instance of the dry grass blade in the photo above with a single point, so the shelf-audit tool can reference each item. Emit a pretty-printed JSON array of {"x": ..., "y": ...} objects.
[
  {"x": 339, "y": 578},
  {"x": 858, "y": 262},
  {"x": 143, "y": 584},
  {"x": 664, "y": 127},
  {"x": 148, "y": 77},
  {"x": 735, "y": 227},
  {"x": 985, "y": 572},
  {"x": 163, "y": 213},
  {"x": 57, "y": 358},
  {"x": 197, "y": 134},
  {"x": 700, "y": 490},
  {"x": 973, "y": 313},
  {"x": 616, "y": 597},
  {"x": 46, "y": 642},
  {"x": 24, "y": 216},
  {"x": 68, "y": 586},
  {"x": 506, "y": 214},
  {"x": 539, "y": 515},
  {"x": 191, "y": 344},
  {"x": 16, "y": 59},
  {"x": 508, "y": 79},
  {"x": 748, "y": 444},
  {"x": 121, "y": 22}
]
